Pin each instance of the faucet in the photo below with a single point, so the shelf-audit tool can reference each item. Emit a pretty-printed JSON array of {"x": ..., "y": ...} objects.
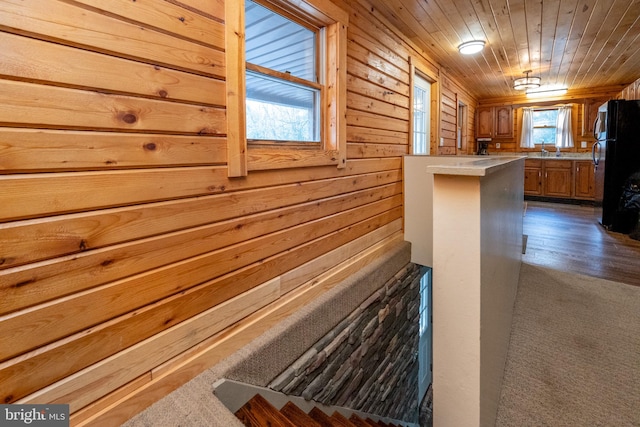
[{"x": 543, "y": 150}]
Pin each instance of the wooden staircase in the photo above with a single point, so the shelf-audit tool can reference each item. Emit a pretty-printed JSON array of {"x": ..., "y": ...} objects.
[{"x": 258, "y": 412}]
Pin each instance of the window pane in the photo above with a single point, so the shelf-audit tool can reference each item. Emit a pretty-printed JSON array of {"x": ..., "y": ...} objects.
[
  {"x": 544, "y": 126},
  {"x": 419, "y": 121},
  {"x": 278, "y": 43},
  {"x": 545, "y": 117},
  {"x": 548, "y": 135},
  {"x": 281, "y": 111}
]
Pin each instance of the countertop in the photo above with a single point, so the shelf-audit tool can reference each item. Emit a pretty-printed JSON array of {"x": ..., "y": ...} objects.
[
  {"x": 547, "y": 156},
  {"x": 472, "y": 165}
]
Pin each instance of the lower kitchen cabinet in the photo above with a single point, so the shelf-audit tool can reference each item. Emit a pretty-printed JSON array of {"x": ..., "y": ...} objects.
[
  {"x": 533, "y": 177},
  {"x": 584, "y": 180},
  {"x": 559, "y": 178}
]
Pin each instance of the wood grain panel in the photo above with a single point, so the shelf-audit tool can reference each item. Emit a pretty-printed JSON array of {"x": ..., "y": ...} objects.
[
  {"x": 96, "y": 343},
  {"x": 38, "y": 283},
  {"x": 30, "y": 241},
  {"x": 217, "y": 347},
  {"x": 362, "y": 71},
  {"x": 362, "y": 103},
  {"x": 104, "y": 403},
  {"x": 32, "y": 150},
  {"x": 63, "y": 22},
  {"x": 360, "y": 134},
  {"x": 33, "y": 105},
  {"x": 39, "y": 61},
  {"x": 111, "y": 373},
  {"x": 368, "y": 89},
  {"x": 379, "y": 44},
  {"x": 356, "y": 151},
  {"x": 27, "y": 329},
  {"x": 363, "y": 55},
  {"x": 46, "y": 194},
  {"x": 367, "y": 119},
  {"x": 211, "y": 8},
  {"x": 165, "y": 17}
]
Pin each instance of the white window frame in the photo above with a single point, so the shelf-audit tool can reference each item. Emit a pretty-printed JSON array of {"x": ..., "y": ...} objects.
[
  {"x": 422, "y": 83},
  {"x": 547, "y": 143}
]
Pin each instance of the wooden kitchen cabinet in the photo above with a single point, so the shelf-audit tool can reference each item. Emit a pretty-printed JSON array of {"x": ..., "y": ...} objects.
[
  {"x": 494, "y": 122},
  {"x": 533, "y": 177},
  {"x": 484, "y": 122},
  {"x": 584, "y": 180},
  {"x": 503, "y": 122},
  {"x": 558, "y": 178}
]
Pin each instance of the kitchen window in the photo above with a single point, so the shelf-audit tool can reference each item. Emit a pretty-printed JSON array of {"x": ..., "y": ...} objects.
[
  {"x": 550, "y": 125},
  {"x": 286, "y": 85},
  {"x": 544, "y": 126}
]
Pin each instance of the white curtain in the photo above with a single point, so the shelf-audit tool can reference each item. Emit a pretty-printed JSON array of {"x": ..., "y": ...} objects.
[
  {"x": 526, "y": 138},
  {"x": 564, "y": 137}
]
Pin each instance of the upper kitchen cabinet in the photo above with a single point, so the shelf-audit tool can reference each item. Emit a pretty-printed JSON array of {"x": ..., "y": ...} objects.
[
  {"x": 589, "y": 114},
  {"x": 494, "y": 122}
]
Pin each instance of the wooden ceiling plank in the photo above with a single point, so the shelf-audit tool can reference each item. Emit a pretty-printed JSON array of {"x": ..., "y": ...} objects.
[
  {"x": 601, "y": 21},
  {"x": 586, "y": 44},
  {"x": 548, "y": 30},
  {"x": 614, "y": 51},
  {"x": 580, "y": 19},
  {"x": 533, "y": 19},
  {"x": 498, "y": 60}
]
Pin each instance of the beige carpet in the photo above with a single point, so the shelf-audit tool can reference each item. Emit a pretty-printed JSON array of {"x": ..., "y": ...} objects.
[{"x": 574, "y": 357}]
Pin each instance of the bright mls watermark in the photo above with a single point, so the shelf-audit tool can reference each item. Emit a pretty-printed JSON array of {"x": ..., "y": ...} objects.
[{"x": 34, "y": 415}]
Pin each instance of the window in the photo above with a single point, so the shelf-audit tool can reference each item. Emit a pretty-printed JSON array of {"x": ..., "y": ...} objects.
[
  {"x": 544, "y": 125},
  {"x": 425, "y": 343},
  {"x": 550, "y": 125},
  {"x": 286, "y": 84},
  {"x": 283, "y": 91},
  {"x": 421, "y": 115}
]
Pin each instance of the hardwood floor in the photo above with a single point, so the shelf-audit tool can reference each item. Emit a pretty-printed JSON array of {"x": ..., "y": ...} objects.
[{"x": 569, "y": 238}]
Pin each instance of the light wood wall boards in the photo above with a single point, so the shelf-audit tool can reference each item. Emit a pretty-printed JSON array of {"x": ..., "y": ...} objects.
[{"x": 126, "y": 251}]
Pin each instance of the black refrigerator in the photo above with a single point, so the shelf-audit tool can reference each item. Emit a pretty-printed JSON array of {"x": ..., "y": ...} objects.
[{"x": 616, "y": 155}]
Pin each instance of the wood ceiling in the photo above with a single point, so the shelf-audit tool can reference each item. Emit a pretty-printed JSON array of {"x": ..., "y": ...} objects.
[{"x": 579, "y": 44}]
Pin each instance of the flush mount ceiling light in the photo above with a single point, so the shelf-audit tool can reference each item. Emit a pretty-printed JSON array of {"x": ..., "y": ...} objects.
[
  {"x": 526, "y": 82},
  {"x": 469, "y": 48},
  {"x": 546, "y": 92}
]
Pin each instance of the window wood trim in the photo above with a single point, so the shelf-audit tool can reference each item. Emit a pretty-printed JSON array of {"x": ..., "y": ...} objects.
[
  {"x": 237, "y": 164},
  {"x": 243, "y": 158}
]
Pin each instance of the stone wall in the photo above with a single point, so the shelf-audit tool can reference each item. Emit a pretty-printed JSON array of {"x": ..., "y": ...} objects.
[{"x": 368, "y": 362}]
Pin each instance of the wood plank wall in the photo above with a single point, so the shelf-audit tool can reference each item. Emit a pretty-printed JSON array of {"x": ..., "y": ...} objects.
[
  {"x": 126, "y": 253},
  {"x": 632, "y": 91}
]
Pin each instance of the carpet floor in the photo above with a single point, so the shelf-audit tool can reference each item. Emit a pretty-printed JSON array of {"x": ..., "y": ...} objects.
[{"x": 574, "y": 356}]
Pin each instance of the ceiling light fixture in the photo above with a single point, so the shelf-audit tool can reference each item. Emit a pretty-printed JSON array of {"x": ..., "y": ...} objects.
[
  {"x": 526, "y": 82},
  {"x": 469, "y": 48},
  {"x": 546, "y": 92}
]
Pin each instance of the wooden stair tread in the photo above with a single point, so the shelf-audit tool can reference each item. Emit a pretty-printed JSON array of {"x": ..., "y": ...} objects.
[
  {"x": 320, "y": 417},
  {"x": 341, "y": 421},
  {"x": 359, "y": 422},
  {"x": 376, "y": 423},
  {"x": 258, "y": 412},
  {"x": 297, "y": 416}
]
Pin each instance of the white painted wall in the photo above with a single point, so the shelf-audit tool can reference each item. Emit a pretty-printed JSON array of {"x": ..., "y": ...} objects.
[{"x": 473, "y": 239}]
